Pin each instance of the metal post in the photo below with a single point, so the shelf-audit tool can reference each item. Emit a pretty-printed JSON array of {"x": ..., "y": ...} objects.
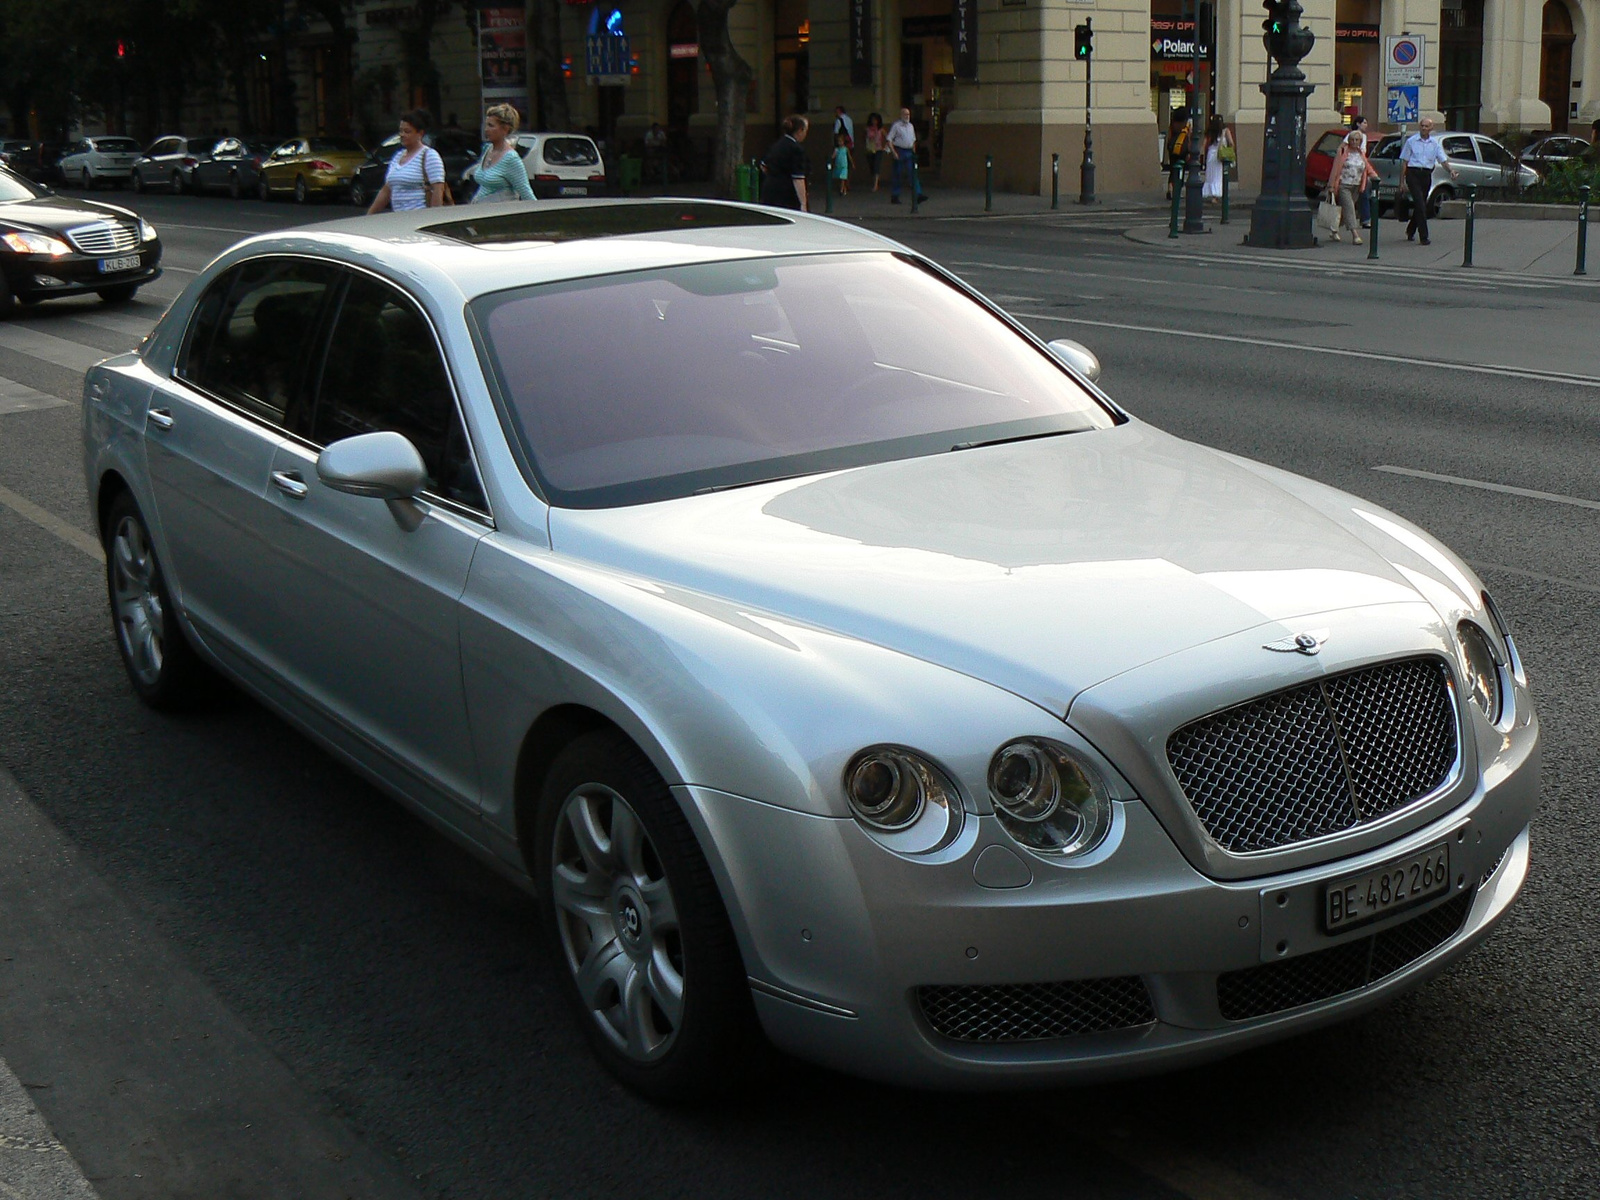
[
  {"x": 1055, "y": 181},
  {"x": 828, "y": 181},
  {"x": 1472, "y": 215},
  {"x": 1195, "y": 166},
  {"x": 1086, "y": 169},
  {"x": 1224, "y": 219},
  {"x": 988, "y": 182},
  {"x": 1177, "y": 197},
  {"x": 666, "y": 184},
  {"x": 1583, "y": 230},
  {"x": 1372, "y": 218},
  {"x": 916, "y": 184}
]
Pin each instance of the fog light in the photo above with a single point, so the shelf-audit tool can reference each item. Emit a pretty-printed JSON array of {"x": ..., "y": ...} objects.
[{"x": 48, "y": 281}]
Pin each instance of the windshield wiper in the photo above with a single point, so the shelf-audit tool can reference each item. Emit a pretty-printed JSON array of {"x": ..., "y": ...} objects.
[{"x": 1020, "y": 437}]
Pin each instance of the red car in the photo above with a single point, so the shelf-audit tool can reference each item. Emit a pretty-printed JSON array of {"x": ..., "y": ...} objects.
[{"x": 1319, "y": 160}]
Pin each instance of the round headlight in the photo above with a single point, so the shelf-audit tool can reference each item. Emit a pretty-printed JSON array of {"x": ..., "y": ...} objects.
[
  {"x": 1483, "y": 669},
  {"x": 904, "y": 801},
  {"x": 1046, "y": 799}
]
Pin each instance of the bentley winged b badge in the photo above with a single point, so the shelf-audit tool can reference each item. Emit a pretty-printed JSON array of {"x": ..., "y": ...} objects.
[{"x": 1307, "y": 643}]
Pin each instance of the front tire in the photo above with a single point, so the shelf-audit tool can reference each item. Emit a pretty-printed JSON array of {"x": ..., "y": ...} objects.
[
  {"x": 138, "y": 182},
  {"x": 302, "y": 194},
  {"x": 177, "y": 183},
  {"x": 162, "y": 666},
  {"x": 652, "y": 969},
  {"x": 120, "y": 294},
  {"x": 1437, "y": 201},
  {"x": 358, "y": 193},
  {"x": 263, "y": 192}
]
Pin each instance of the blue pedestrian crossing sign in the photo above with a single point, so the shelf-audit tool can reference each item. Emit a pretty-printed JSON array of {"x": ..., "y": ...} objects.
[{"x": 1402, "y": 106}]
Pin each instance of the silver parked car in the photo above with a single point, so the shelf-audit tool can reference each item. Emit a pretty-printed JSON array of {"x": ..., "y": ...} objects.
[
  {"x": 828, "y": 654},
  {"x": 1478, "y": 160}
]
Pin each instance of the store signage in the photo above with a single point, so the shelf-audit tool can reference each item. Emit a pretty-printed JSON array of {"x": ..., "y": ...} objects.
[
  {"x": 1365, "y": 34},
  {"x": 964, "y": 37},
  {"x": 861, "y": 43},
  {"x": 1172, "y": 40},
  {"x": 1404, "y": 56},
  {"x": 684, "y": 50},
  {"x": 503, "y": 56}
]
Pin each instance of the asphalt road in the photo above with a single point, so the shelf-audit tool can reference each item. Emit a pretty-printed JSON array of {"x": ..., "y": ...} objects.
[{"x": 229, "y": 967}]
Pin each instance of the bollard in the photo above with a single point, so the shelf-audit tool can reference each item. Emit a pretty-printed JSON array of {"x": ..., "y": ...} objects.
[
  {"x": 1372, "y": 220},
  {"x": 1055, "y": 181},
  {"x": 1224, "y": 219},
  {"x": 1583, "y": 230},
  {"x": 828, "y": 180},
  {"x": 1177, "y": 197},
  {"x": 988, "y": 183},
  {"x": 916, "y": 185},
  {"x": 1472, "y": 215},
  {"x": 665, "y": 184}
]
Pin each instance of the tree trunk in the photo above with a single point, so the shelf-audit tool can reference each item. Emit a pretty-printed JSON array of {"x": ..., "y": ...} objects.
[
  {"x": 550, "y": 111},
  {"x": 730, "y": 75}
]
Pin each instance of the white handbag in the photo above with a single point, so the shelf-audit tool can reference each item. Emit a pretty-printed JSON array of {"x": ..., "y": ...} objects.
[{"x": 1328, "y": 216}]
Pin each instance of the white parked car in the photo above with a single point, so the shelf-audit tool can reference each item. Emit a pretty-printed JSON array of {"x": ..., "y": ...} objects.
[
  {"x": 562, "y": 164},
  {"x": 830, "y": 655},
  {"x": 96, "y": 160}
]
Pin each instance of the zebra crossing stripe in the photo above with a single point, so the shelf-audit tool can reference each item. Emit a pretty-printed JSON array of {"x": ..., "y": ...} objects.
[
  {"x": 19, "y": 397},
  {"x": 75, "y": 356}
]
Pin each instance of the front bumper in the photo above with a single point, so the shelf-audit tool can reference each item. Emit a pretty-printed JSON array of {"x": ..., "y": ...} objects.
[
  {"x": 74, "y": 274},
  {"x": 839, "y": 936}
]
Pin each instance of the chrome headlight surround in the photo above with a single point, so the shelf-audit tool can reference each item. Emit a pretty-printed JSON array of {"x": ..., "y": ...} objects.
[
  {"x": 1503, "y": 628},
  {"x": 147, "y": 231},
  {"x": 902, "y": 799},
  {"x": 1049, "y": 799},
  {"x": 1485, "y": 670}
]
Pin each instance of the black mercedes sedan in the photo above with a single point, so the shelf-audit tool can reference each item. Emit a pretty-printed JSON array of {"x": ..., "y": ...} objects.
[{"x": 53, "y": 246}]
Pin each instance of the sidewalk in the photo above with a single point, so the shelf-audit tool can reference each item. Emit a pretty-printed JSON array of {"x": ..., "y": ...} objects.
[{"x": 1545, "y": 249}]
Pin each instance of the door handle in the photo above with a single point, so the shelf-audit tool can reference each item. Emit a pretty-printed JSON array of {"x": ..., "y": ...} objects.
[
  {"x": 160, "y": 418},
  {"x": 290, "y": 484}
]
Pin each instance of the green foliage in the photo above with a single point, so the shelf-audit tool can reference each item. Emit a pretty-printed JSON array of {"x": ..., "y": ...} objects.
[{"x": 1561, "y": 183}]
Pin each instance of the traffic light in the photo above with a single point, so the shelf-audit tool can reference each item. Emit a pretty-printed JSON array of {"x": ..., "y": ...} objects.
[
  {"x": 1274, "y": 22},
  {"x": 1083, "y": 42},
  {"x": 122, "y": 49}
]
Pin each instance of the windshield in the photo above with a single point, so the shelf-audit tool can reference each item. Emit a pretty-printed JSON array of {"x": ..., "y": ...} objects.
[
  {"x": 13, "y": 188},
  {"x": 116, "y": 145},
  {"x": 662, "y": 383},
  {"x": 335, "y": 145}
]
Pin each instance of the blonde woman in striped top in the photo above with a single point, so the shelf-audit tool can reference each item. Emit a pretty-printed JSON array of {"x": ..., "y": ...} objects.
[{"x": 501, "y": 174}]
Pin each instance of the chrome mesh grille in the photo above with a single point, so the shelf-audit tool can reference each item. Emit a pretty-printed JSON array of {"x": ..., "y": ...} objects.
[
  {"x": 1032, "y": 1012},
  {"x": 1318, "y": 758},
  {"x": 104, "y": 238},
  {"x": 1275, "y": 987}
]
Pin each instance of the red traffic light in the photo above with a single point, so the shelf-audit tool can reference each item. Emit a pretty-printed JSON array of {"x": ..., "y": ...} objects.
[{"x": 122, "y": 48}]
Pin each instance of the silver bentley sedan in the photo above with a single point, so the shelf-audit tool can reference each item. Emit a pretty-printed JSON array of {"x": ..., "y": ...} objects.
[{"x": 833, "y": 660}]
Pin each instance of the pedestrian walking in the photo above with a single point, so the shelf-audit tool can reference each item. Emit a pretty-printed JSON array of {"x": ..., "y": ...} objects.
[
  {"x": 839, "y": 167},
  {"x": 1218, "y": 139},
  {"x": 1421, "y": 153},
  {"x": 877, "y": 143},
  {"x": 902, "y": 139},
  {"x": 501, "y": 173},
  {"x": 785, "y": 166},
  {"x": 1358, "y": 124},
  {"x": 843, "y": 124},
  {"x": 1177, "y": 143},
  {"x": 415, "y": 178},
  {"x": 1348, "y": 179}
]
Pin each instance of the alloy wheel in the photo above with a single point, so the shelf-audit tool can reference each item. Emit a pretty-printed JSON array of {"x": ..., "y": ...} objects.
[
  {"x": 177, "y": 184},
  {"x": 136, "y": 597},
  {"x": 618, "y": 922},
  {"x": 301, "y": 193}
]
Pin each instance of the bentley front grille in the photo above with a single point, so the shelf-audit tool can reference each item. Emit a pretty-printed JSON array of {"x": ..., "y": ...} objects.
[
  {"x": 1034, "y": 1012},
  {"x": 104, "y": 238},
  {"x": 1319, "y": 758},
  {"x": 1324, "y": 974}
]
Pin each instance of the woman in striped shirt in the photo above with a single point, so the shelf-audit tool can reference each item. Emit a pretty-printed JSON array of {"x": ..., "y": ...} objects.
[
  {"x": 415, "y": 178},
  {"x": 501, "y": 173}
]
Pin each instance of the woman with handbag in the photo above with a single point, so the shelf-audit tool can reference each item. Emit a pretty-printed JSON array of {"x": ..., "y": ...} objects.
[
  {"x": 1346, "y": 181},
  {"x": 1219, "y": 140}
]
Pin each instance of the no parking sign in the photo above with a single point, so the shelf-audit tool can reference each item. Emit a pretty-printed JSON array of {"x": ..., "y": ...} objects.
[{"x": 1404, "y": 57}]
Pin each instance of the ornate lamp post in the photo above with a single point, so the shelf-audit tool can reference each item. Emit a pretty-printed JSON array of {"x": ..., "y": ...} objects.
[{"x": 1282, "y": 217}]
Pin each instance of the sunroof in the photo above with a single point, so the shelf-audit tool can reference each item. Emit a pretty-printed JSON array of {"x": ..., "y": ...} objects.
[{"x": 580, "y": 221}]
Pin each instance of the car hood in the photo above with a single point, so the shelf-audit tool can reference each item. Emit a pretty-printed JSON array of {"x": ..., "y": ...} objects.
[
  {"x": 56, "y": 213},
  {"x": 1043, "y": 566}
]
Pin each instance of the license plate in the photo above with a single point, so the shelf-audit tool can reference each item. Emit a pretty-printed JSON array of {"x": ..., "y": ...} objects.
[
  {"x": 572, "y": 191},
  {"x": 128, "y": 262},
  {"x": 1357, "y": 899}
]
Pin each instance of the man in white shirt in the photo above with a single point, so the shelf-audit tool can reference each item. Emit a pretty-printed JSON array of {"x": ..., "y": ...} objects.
[
  {"x": 902, "y": 139},
  {"x": 843, "y": 124},
  {"x": 1421, "y": 153}
]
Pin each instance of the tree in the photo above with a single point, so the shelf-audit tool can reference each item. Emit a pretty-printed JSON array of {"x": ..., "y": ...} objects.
[
  {"x": 730, "y": 76},
  {"x": 550, "y": 109},
  {"x": 416, "y": 42}
]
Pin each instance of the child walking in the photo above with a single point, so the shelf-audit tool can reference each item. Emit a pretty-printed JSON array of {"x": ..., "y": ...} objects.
[{"x": 839, "y": 165}]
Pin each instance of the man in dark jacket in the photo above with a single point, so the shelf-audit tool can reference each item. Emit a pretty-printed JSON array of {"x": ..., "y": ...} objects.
[{"x": 784, "y": 167}]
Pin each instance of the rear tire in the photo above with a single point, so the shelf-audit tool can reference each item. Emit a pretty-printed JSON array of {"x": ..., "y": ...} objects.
[
  {"x": 358, "y": 193},
  {"x": 235, "y": 188},
  {"x": 263, "y": 192},
  {"x": 138, "y": 181},
  {"x": 302, "y": 194},
  {"x": 646, "y": 951},
  {"x": 177, "y": 183},
  {"x": 165, "y": 671}
]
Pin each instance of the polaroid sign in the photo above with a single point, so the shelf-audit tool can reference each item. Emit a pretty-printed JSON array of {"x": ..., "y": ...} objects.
[{"x": 1172, "y": 40}]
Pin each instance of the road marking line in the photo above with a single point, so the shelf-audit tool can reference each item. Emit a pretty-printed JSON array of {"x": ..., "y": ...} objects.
[
  {"x": 1199, "y": 283},
  {"x": 1555, "y": 579},
  {"x": 19, "y": 397},
  {"x": 1186, "y": 1174},
  {"x": 50, "y": 523},
  {"x": 63, "y": 353},
  {"x": 119, "y": 322},
  {"x": 1589, "y": 381},
  {"x": 1530, "y": 493}
]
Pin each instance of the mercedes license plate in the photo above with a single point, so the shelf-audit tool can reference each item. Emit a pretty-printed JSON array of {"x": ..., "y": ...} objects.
[
  {"x": 128, "y": 262},
  {"x": 574, "y": 191},
  {"x": 1400, "y": 883}
]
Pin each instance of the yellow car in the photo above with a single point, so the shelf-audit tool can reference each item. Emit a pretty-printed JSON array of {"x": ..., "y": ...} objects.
[{"x": 307, "y": 167}]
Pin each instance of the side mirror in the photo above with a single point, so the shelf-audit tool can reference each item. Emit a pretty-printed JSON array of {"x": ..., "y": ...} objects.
[
  {"x": 1077, "y": 356},
  {"x": 385, "y": 466}
]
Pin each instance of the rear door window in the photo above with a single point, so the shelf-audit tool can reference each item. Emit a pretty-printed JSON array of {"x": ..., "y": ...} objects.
[
  {"x": 250, "y": 337},
  {"x": 383, "y": 371}
]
